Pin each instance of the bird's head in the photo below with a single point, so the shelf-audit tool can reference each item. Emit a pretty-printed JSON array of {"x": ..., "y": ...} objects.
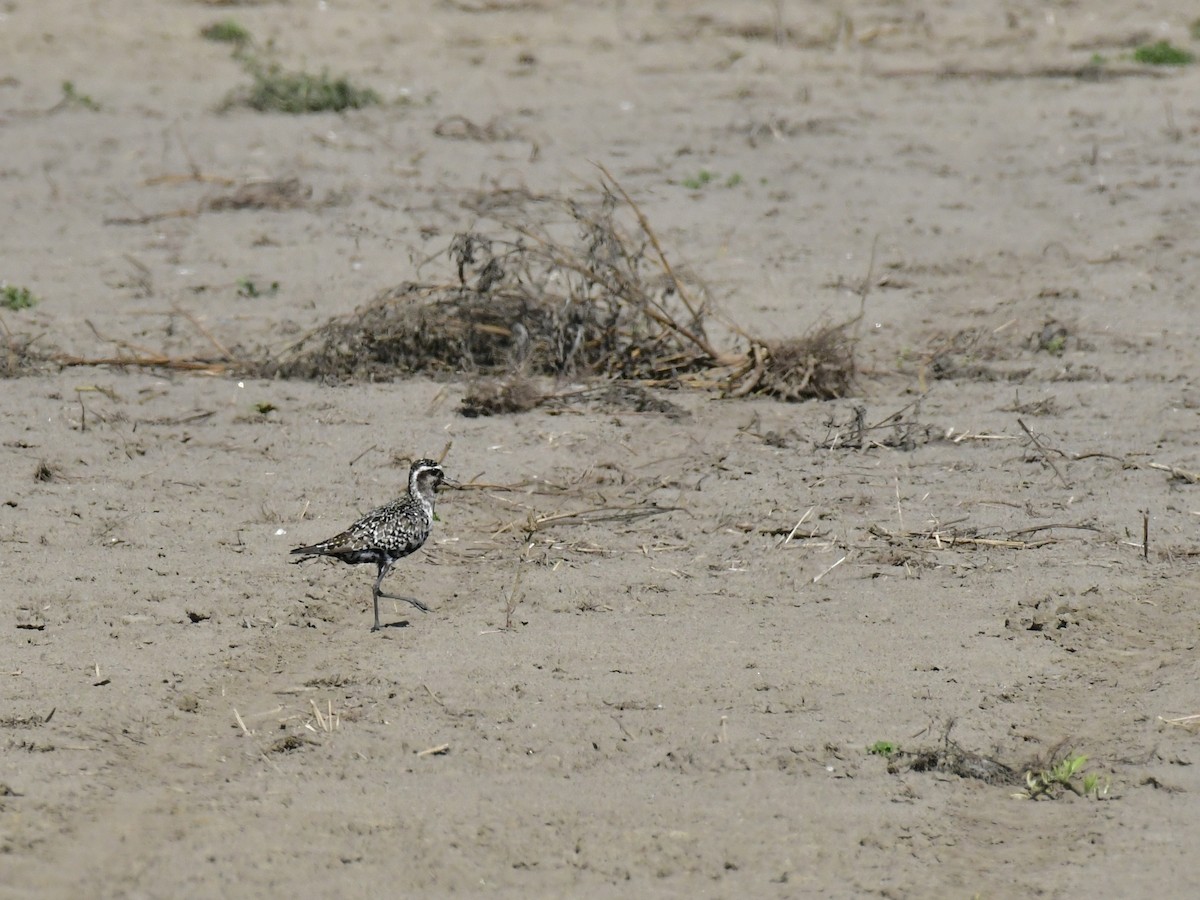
[{"x": 425, "y": 477}]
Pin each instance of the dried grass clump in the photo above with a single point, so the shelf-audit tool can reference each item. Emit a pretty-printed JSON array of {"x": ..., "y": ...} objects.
[
  {"x": 18, "y": 356},
  {"x": 820, "y": 365},
  {"x": 565, "y": 290},
  {"x": 550, "y": 286},
  {"x": 951, "y": 757},
  {"x": 273, "y": 194}
]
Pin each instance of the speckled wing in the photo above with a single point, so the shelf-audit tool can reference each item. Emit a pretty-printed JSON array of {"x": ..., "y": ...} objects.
[
  {"x": 389, "y": 532},
  {"x": 358, "y": 543}
]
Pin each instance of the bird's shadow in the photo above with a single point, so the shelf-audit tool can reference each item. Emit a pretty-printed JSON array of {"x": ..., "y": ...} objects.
[{"x": 384, "y": 626}]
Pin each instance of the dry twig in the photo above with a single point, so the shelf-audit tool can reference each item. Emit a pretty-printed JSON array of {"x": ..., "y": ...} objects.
[
  {"x": 1181, "y": 474},
  {"x": 1045, "y": 454}
]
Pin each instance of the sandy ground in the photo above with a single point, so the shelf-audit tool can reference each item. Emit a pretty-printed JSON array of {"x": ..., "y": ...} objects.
[{"x": 684, "y": 702}]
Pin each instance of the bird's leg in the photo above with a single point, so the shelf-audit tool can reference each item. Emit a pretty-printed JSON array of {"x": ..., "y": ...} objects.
[
  {"x": 413, "y": 600},
  {"x": 376, "y": 594}
]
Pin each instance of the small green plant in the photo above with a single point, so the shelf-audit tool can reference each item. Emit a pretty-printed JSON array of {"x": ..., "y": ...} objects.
[
  {"x": 1091, "y": 785},
  {"x": 1162, "y": 53},
  {"x": 71, "y": 98},
  {"x": 276, "y": 90},
  {"x": 246, "y": 287},
  {"x": 704, "y": 177},
  {"x": 15, "y": 298},
  {"x": 226, "y": 31},
  {"x": 1098, "y": 59},
  {"x": 265, "y": 408},
  {"x": 698, "y": 181},
  {"x": 1063, "y": 775},
  {"x": 883, "y": 748}
]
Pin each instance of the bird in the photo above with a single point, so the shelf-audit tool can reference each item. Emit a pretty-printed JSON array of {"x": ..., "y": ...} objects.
[{"x": 389, "y": 533}]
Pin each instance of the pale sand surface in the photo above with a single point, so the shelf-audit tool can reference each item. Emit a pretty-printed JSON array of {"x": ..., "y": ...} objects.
[{"x": 684, "y": 702}]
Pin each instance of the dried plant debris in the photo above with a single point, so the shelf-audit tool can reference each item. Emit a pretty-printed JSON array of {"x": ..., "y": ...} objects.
[
  {"x": 18, "y": 356},
  {"x": 959, "y": 534},
  {"x": 819, "y": 365},
  {"x": 33, "y": 720},
  {"x": 517, "y": 393},
  {"x": 271, "y": 194},
  {"x": 290, "y": 743},
  {"x": 631, "y": 397},
  {"x": 953, "y": 758},
  {"x": 1047, "y": 406},
  {"x": 581, "y": 304},
  {"x": 973, "y": 354},
  {"x": 900, "y": 430},
  {"x": 460, "y": 128},
  {"x": 562, "y": 288}
]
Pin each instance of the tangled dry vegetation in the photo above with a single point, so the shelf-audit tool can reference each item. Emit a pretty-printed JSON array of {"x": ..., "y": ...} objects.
[
  {"x": 545, "y": 289},
  {"x": 18, "y": 355},
  {"x": 561, "y": 288}
]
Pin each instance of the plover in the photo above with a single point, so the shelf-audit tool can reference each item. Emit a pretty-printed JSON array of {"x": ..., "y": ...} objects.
[{"x": 387, "y": 534}]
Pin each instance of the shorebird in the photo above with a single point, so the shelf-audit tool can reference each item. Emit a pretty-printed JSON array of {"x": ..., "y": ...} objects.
[{"x": 388, "y": 534}]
